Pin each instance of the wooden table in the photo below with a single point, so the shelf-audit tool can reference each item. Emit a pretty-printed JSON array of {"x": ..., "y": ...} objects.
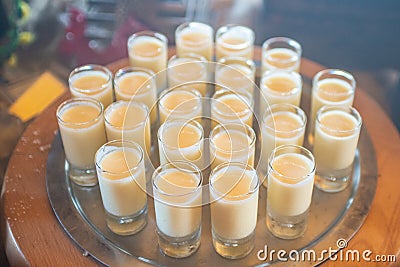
[{"x": 33, "y": 236}]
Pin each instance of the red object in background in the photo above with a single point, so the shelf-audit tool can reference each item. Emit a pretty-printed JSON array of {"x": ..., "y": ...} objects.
[{"x": 75, "y": 44}]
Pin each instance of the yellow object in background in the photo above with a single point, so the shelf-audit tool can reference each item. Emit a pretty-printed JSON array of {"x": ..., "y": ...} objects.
[{"x": 36, "y": 98}]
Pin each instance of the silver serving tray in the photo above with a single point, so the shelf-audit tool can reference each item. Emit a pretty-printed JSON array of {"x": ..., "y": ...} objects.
[{"x": 332, "y": 217}]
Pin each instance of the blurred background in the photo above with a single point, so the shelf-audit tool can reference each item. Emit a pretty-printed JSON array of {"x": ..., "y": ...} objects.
[{"x": 360, "y": 36}]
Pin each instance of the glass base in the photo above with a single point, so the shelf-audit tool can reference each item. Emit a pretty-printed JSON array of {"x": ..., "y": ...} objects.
[
  {"x": 127, "y": 225},
  {"x": 233, "y": 248},
  {"x": 82, "y": 177},
  {"x": 334, "y": 181},
  {"x": 179, "y": 247},
  {"x": 287, "y": 227}
]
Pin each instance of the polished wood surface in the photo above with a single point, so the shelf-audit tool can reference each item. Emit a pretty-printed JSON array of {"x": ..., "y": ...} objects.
[{"x": 34, "y": 237}]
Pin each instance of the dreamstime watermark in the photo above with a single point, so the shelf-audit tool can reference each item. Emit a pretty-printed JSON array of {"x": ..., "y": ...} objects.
[{"x": 340, "y": 253}]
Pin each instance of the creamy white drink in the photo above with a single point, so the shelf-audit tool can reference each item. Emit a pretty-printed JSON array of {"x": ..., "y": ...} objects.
[
  {"x": 288, "y": 193},
  {"x": 149, "y": 50},
  {"x": 284, "y": 125},
  {"x": 336, "y": 136},
  {"x": 281, "y": 53},
  {"x": 234, "y": 40},
  {"x": 232, "y": 143},
  {"x": 290, "y": 185},
  {"x": 236, "y": 204},
  {"x": 188, "y": 72},
  {"x": 331, "y": 87},
  {"x": 128, "y": 121},
  {"x": 137, "y": 84},
  {"x": 280, "y": 87},
  {"x": 195, "y": 37},
  {"x": 331, "y": 91},
  {"x": 231, "y": 107},
  {"x": 122, "y": 181},
  {"x": 177, "y": 188},
  {"x": 180, "y": 104},
  {"x": 281, "y": 58},
  {"x": 234, "y": 198},
  {"x": 122, "y": 193},
  {"x": 236, "y": 74},
  {"x": 178, "y": 216},
  {"x": 92, "y": 81},
  {"x": 181, "y": 141},
  {"x": 80, "y": 120}
]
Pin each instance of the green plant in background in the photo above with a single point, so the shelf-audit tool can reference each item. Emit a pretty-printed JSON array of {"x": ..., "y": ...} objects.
[{"x": 13, "y": 14}]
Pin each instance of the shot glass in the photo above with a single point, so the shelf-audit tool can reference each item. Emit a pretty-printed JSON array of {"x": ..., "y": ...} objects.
[
  {"x": 280, "y": 87},
  {"x": 234, "y": 40},
  {"x": 188, "y": 71},
  {"x": 122, "y": 182},
  {"x": 232, "y": 143},
  {"x": 139, "y": 85},
  {"x": 177, "y": 188},
  {"x": 195, "y": 37},
  {"x": 330, "y": 87},
  {"x": 337, "y": 130},
  {"x": 235, "y": 73},
  {"x": 180, "y": 104},
  {"x": 129, "y": 121},
  {"x": 289, "y": 191},
  {"x": 149, "y": 50},
  {"x": 281, "y": 53},
  {"x": 284, "y": 124},
  {"x": 92, "y": 81},
  {"x": 234, "y": 203},
  {"x": 231, "y": 107},
  {"x": 81, "y": 124},
  {"x": 181, "y": 140}
]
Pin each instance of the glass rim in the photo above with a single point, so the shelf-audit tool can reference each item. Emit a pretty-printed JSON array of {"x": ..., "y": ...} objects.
[
  {"x": 308, "y": 153},
  {"x": 284, "y": 107},
  {"x": 71, "y": 101},
  {"x": 90, "y": 67},
  {"x": 225, "y": 126},
  {"x": 120, "y": 141},
  {"x": 197, "y": 97},
  {"x": 128, "y": 70},
  {"x": 283, "y": 39},
  {"x": 160, "y": 169},
  {"x": 182, "y": 123},
  {"x": 243, "y": 96},
  {"x": 345, "y": 109},
  {"x": 126, "y": 103},
  {"x": 226, "y": 28},
  {"x": 190, "y": 58},
  {"x": 245, "y": 167},
  {"x": 247, "y": 62},
  {"x": 197, "y": 25},
  {"x": 269, "y": 74},
  {"x": 291, "y": 44},
  {"x": 223, "y": 62},
  {"x": 148, "y": 33},
  {"x": 189, "y": 55},
  {"x": 334, "y": 72}
]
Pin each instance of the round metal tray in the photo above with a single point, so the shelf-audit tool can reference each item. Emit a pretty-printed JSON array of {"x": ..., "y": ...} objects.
[{"x": 333, "y": 219}]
